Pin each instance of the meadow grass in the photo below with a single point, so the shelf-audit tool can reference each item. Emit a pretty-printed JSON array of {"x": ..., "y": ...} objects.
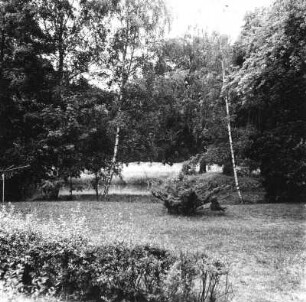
[{"x": 263, "y": 244}]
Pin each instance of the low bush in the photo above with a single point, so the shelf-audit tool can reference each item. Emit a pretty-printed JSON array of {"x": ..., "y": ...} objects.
[
  {"x": 180, "y": 202},
  {"x": 186, "y": 195},
  {"x": 37, "y": 262}
]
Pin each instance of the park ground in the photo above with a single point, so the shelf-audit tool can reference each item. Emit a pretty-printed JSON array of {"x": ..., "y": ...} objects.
[{"x": 263, "y": 244}]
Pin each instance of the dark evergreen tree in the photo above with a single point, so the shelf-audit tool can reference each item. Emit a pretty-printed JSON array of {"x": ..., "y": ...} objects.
[{"x": 26, "y": 79}]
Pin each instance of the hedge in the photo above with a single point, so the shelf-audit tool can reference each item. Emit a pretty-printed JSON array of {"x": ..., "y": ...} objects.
[{"x": 70, "y": 267}]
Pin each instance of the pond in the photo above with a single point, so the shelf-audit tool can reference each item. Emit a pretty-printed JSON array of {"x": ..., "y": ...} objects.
[
  {"x": 114, "y": 189},
  {"x": 135, "y": 178}
]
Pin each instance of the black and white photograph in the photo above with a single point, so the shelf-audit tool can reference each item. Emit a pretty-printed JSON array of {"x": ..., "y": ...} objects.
[{"x": 153, "y": 150}]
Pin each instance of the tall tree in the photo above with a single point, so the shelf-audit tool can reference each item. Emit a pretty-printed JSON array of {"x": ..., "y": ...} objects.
[
  {"x": 25, "y": 89},
  {"x": 67, "y": 24},
  {"x": 224, "y": 95},
  {"x": 134, "y": 28},
  {"x": 191, "y": 78},
  {"x": 271, "y": 84}
]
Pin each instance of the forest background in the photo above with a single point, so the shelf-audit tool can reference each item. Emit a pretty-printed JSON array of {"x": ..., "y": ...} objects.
[{"x": 159, "y": 99}]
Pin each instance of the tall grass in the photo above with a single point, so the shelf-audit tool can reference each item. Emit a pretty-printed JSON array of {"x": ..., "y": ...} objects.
[{"x": 52, "y": 229}]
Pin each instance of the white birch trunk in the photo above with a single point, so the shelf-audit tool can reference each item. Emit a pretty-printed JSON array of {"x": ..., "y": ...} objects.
[
  {"x": 110, "y": 175},
  {"x": 127, "y": 68},
  {"x": 229, "y": 130}
]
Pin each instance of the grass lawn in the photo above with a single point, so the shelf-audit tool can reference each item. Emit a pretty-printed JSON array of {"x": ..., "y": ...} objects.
[{"x": 264, "y": 244}]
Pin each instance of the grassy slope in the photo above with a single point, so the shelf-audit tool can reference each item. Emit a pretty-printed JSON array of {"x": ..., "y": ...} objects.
[{"x": 263, "y": 244}]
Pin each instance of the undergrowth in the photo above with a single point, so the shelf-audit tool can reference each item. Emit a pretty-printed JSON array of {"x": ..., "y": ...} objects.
[
  {"x": 203, "y": 184},
  {"x": 56, "y": 259}
]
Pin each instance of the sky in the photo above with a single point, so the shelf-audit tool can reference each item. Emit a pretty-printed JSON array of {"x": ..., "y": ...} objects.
[{"x": 224, "y": 16}]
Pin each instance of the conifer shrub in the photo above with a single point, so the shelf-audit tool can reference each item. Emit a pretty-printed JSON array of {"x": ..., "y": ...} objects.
[
  {"x": 186, "y": 195},
  {"x": 62, "y": 263}
]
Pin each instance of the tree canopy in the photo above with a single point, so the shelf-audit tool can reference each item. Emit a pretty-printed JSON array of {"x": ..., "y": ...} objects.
[
  {"x": 271, "y": 86},
  {"x": 157, "y": 99}
]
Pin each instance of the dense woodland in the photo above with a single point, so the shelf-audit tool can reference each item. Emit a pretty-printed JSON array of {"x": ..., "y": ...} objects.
[{"x": 91, "y": 84}]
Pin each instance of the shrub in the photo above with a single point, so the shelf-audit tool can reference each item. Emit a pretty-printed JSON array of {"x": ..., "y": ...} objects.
[
  {"x": 183, "y": 202},
  {"x": 196, "y": 278},
  {"x": 68, "y": 266},
  {"x": 50, "y": 189},
  {"x": 186, "y": 195}
]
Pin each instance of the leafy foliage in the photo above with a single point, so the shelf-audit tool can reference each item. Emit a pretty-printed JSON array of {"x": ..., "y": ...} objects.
[
  {"x": 271, "y": 85},
  {"x": 45, "y": 102},
  {"x": 165, "y": 102},
  {"x": 26, "y": 81},
  {"x": 69, "y": 267},
  {"x": 177, "y": 104}
]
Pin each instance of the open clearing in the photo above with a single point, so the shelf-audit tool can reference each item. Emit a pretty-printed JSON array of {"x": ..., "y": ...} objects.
[{"x": 264, "y": 244}]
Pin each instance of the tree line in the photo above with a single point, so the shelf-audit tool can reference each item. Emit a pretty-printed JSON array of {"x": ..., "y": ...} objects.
[{"x": 90, "y": 84}]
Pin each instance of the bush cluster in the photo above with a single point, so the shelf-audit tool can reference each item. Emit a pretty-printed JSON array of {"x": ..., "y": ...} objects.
[
  {"x": 70, "y": 267},
  {"x": 183, "y": 202},
  {"x": 186, "y": 195}
]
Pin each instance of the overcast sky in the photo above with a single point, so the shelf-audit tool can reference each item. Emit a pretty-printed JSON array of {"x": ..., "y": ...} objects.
[{"x": 224, "y": 16}]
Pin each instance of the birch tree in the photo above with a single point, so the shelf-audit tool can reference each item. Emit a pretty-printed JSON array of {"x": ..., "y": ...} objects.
[
  {"x": 224, "y": 95},
  {"x": 133, "y": 30}
]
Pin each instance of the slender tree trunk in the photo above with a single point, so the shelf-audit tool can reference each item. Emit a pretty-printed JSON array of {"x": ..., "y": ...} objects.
[
  {"x": 126, "y": 70},
  {"x": 61, "y": 67},
  {"x": 232, "y": 149},
  {"x": 229, "y": 130},
  {"x": 109, "y": 178},
  {"x": 70, "y": 186},
  {"x": 110, "y": 175},
  {"x": 96, "y": 186},
  {"x": 203, "y": 168}
]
